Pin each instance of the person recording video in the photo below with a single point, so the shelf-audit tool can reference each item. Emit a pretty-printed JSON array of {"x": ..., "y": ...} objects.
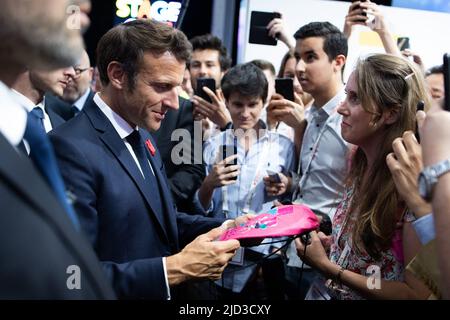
[{"x": 232, "y": 190}]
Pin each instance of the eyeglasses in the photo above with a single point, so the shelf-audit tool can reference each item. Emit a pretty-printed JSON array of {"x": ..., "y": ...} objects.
[{"x": 79, "y": 71}]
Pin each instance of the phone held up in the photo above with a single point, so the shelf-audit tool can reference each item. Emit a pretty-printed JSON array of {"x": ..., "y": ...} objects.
[
  {"x": 285, "y": 87},
  {"x": 273, "y": 176},
  {"x": 403, "y": 43},
  {"x": 228, "y": 151},
  {"x": 447, "y": 81},
  {"x": 259, "y": 34},
  {"x": 210, "y": 83}
]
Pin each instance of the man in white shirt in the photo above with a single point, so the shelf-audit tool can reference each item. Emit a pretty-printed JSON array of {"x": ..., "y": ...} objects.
[
  {"x": 31, "y": 86},
  {"x": 110, "y": 162},
  {"x": 321, "y": 51}
]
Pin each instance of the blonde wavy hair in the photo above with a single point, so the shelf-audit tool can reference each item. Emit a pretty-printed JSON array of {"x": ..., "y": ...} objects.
[{"x": 385, "y": 82}]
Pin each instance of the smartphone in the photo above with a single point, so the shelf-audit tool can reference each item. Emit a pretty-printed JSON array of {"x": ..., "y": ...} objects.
[
  {"x": 273, "y": 176},
  {"x": 446, "y": 66},
  {"x": 205, "y": 82},
  {"x": 228, "y": 151},
  {"x": 362, "y": 13},
  {"x": 403, "y": 43},
  {"x": 285, "y": 87},
  {"x": 259, "y": 34}
]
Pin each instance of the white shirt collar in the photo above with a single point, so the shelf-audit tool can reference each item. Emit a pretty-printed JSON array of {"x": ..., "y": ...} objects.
[
  {"x": 333, "y": 103},
  {"x": 27, "y": 103},
  {"x": 122, "y": 127},
  {"x": 79, "y": 104},
  {"x": 13, "y": 117}
]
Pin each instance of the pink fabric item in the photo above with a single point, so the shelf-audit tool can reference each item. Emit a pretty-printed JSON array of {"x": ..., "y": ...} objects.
[{"x": 278, "y": 222}]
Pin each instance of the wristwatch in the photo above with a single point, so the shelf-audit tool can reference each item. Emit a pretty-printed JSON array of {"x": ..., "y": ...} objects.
[{"x": 428, "y": 177}]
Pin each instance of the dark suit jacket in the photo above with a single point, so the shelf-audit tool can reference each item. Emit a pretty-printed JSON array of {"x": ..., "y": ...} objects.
[
  {"x": 38, "y": 241},
  {"x": 184, "y": 179},
  {"x": 115, "y": 208},
  {"x": 55, "y": 119},
  {"x": 62, "y": 108}
]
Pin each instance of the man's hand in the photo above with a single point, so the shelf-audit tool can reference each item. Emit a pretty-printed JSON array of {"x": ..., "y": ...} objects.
[
  {"x": 216, "y": 111},
  {"x": 202, "y": 258},
  {"x": 291, "y": 113},
  {"x": 277, "y": 29},
  {"x": 277, "y": 188},
  {"x": 405, "y": 164},
  {"x": 354, "y": 17},
  {"x": 222, "y": 175}
]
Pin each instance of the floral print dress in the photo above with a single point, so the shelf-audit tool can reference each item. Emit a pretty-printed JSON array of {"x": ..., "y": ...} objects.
[{"x": 390, "y": 265}]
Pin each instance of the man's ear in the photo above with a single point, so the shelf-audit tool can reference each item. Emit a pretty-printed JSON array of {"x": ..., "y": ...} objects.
[
  {"x": 116, "y": 75},
  {"x": 339, "y": 62}
]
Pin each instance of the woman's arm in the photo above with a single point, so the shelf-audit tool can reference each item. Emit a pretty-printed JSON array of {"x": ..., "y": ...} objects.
[{"x": 368, "y": 287}]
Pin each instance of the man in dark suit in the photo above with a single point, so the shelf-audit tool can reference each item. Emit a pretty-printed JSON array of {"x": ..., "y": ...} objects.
[
  {"x": 31, "y": 86},
  {"x": 77, "y": 93},
  {"x": 185, "y": 172},
  {"x": 110, "y": 163},
  {"x": 43, "y": 256}
]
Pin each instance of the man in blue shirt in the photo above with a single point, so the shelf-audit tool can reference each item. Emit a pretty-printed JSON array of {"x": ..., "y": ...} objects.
[{"x": 232, "y": 190}]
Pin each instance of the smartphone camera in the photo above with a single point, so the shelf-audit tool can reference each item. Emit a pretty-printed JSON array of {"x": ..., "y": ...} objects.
[
  {"x": 228, "y": 151},
  {"x": 210, "y": 83},
  {"x": 285, "y": 87}
]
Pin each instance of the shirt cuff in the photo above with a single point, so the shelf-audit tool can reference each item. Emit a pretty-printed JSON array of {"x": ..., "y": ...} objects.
[
  {"x": 198, "y": 205},
  {"x": 166, "y": 278},
  {"x": 424, "y": 227}
]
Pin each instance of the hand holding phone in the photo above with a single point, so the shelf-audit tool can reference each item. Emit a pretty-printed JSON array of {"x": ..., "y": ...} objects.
[
  {"x": 362, "y": 13},
  {"x": 403, "y": 43},
  {"x": 285, "y": 87},
  {"x": 210, "y": 83},
  {"x": 228, "y": 151},
  {"x": 259, "y": 34}
]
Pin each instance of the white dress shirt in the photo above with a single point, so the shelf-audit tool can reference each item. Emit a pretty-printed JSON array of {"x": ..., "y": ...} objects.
[
  {"x": 13, "y": 117},
  {"x": 29, "y": 105}
]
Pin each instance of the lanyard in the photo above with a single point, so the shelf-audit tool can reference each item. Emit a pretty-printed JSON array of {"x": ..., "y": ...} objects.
[
  {"x": 258, "y": 175},
  {"x": 315, "y": 148}
]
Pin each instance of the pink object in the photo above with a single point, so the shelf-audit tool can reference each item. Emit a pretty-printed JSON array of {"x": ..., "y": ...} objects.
[{"x": 278, "y": 222}]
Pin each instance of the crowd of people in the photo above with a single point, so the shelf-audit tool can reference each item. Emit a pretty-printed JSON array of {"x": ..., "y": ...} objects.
[{"x": 119, "y": 176}]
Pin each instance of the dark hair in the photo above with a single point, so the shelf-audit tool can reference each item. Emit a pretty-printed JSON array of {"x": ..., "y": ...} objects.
[
  {"x": 246, "y": 79},
  {"x": 288, "y": 55},
  {"x": 435, "y": 70},
  {"x": 335, "y": 42},
  {"x": 126, "y": 43},
  {"x": 208, "y": 41},
  {"x": 264, "y": 65}
]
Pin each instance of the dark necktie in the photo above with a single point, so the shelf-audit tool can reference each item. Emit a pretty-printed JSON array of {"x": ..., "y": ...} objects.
[
  {"x": 138, "y": 146},
  {"x": 75, "y": 110},
  {"x": 43, "y": 156}
]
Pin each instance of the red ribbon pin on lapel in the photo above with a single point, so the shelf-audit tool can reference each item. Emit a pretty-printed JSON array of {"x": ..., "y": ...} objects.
[{"x": 150, "y": 147}]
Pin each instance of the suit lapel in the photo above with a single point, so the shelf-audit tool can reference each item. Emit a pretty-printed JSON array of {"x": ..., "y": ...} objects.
[
  {"x": 163, "y": 187},
  {"x": 55, "y": 119},
  {"x": 112, "y": 140}
]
